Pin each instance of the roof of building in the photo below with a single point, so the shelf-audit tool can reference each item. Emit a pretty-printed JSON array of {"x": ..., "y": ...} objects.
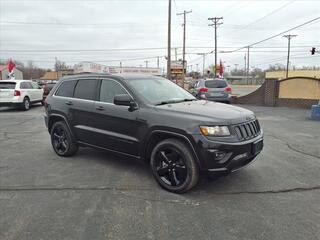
[
  {"x": 50, "y": 76},
  {"x": 2, "y": 67}
]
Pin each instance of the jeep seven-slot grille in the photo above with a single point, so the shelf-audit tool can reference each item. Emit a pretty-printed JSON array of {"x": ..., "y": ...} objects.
[{"x": 247, "y": 130}]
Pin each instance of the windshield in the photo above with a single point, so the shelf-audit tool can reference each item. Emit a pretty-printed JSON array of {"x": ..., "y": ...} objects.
[
  {"x": 159, "y": 91},
  {"x": 7, "y": 85},
  {"x": 215, "y": 84}
]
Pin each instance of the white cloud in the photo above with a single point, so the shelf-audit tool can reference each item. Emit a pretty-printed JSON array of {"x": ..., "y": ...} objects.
[{"x": 75, "y": 24}]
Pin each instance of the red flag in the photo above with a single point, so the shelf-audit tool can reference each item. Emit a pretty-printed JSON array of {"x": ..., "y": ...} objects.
[
  {"x": 221, "y": 69},
  {"x": 11, "y": 65}
]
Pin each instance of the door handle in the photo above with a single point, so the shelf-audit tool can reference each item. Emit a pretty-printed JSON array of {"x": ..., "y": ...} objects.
[
  {"x": 100, "y": 108},
  {"x": 68, "y": 103}
]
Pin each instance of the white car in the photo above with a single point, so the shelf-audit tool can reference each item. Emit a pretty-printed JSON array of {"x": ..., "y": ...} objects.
[{"x": 20, "y": 93}]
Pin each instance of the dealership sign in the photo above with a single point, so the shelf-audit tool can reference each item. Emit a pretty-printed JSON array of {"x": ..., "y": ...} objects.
[{"x": 88, "y": 67}]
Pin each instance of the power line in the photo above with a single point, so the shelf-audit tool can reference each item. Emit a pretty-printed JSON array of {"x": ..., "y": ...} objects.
[
  {"x": 138, "y": 49},
  {"x": 279, "y": 34},
  {"x": 260, "y": 19}
]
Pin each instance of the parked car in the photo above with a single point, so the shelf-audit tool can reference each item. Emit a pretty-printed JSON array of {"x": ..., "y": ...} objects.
[
  {"x": 218, "y": 90},
  {"x": 153, "y": 119},
  {"x": 20, "y": 93},
  {"x": 47, "y": 87}
]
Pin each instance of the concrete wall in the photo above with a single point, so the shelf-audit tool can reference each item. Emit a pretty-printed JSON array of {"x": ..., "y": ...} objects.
[
  {"x": 290, "y": 92},
  {"x": 296, "y": 73},
  {"x": 301, "y": 88}
]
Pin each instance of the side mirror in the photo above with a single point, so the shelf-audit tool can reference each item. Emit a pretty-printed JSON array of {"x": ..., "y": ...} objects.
[{"x": 125, "y": 100}]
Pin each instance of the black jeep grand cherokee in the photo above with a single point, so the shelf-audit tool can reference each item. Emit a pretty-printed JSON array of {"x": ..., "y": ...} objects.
[{"x": 153, "y": 119}]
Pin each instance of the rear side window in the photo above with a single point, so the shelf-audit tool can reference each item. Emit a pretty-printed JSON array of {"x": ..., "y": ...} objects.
[
  {"x": 7, "y": 85},
  {"x": 86, "y": 89},
  {"x": 50, "y": 86},
  {"x": 66, "y": 89},
  {"x": 215, "y": 84},
  {"x": 109, "y": 89},
  {"x": 35, "y": 85},
  {"x": 26, "y": 85}
]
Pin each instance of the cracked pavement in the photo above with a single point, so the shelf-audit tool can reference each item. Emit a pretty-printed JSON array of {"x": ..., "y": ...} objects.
[{"x": 97, "y": 195}]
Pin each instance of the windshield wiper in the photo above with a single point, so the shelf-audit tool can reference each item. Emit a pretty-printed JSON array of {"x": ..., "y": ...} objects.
[{"x": 175, "y": 101}]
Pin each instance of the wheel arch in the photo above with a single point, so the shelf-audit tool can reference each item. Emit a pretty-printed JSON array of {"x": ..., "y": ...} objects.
[
  {"x": 56, "y": 118},
  {"x": 157, "y": 136}
]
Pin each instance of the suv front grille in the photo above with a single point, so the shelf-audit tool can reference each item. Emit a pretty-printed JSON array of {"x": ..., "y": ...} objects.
[{"x": 247, "y": 130}]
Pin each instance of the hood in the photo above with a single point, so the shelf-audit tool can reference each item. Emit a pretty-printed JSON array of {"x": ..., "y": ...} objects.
[{"x": 209, "y": 111}]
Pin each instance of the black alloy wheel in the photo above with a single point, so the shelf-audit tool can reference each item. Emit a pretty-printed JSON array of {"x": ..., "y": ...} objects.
[
  {"x": 173, "y": 166},
  {"x": 62, "y": 141}
]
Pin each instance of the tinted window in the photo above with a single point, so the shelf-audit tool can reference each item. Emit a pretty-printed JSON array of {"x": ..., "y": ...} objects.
[
  {"x": 157, "y": 90},
  {"x": 215, "y": 84},
  {"x": 66, "y": 89},
  {"x": 109, "y": 89},
  {"x": 26, "y": 85},
  {"x": 86, "y": 89},
  {"x": 48, "y": 87},
  {"x": 7, "y": 85},
  {"x": 35, "y": 85}
]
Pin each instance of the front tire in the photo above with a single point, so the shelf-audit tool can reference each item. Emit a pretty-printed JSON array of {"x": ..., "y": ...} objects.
[
  {"x": 173, "y": 166},
  {"x": 62, "y": 140}
]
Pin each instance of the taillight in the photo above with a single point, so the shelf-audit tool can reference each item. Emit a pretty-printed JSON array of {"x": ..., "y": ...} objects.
[
  {"x": 228, "y": 89},
  {"x": 17, "y": 93},
  {"x": 203, "y": 90}
]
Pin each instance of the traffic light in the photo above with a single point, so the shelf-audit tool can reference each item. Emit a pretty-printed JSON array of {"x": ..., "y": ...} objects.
[{"x": 313, "y": 50}]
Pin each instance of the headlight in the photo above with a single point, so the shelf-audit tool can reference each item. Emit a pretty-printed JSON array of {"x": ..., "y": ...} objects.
[{"x": 215, "y": 131}]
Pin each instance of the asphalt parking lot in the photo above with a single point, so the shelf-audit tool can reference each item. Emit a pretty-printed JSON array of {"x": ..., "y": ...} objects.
[{"x": 95, "y": 195}]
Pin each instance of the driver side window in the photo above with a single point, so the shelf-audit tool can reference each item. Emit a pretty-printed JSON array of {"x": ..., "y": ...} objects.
[{"x": 109, "y": 89}]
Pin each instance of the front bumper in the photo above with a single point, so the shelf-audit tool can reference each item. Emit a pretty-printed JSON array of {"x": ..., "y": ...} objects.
[{"x": 217, "y": 156}]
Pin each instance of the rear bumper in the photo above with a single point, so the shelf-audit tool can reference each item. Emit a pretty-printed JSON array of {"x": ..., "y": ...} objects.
[
  {"x": 219, "y": 99},
  {"x": 227, "y": 157},
  {"x": 9, "y": 104}
]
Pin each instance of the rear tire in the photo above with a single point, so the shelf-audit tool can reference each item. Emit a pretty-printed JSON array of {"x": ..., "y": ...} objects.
[
  {"x": 25, "y": 106},
  {"x": 173, "y": 166},
  {"x": 62, "y": 141}
]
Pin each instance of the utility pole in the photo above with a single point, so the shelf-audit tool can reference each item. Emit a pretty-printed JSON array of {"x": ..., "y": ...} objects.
[
  {"x": 158, "y": 62},
  {"x": 176, "y": 53},
  {"x": 203, "y": 62},
  {"x": 245, "y": 67},
  {"x": 169, "y": 42},
  {"x": 247, "y": 71},
  {"x": 236, "y": 66},
  {"x": 146, "y": 63},
  {"x": 215, "y": 23},
  {"x": 184, "y": 40},
  {"x": 289, "y": 40},
  {"x": 120, "y": 67}
]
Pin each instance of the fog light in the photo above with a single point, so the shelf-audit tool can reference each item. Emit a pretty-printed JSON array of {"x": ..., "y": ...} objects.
[{"x": 218, "y": 155}]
